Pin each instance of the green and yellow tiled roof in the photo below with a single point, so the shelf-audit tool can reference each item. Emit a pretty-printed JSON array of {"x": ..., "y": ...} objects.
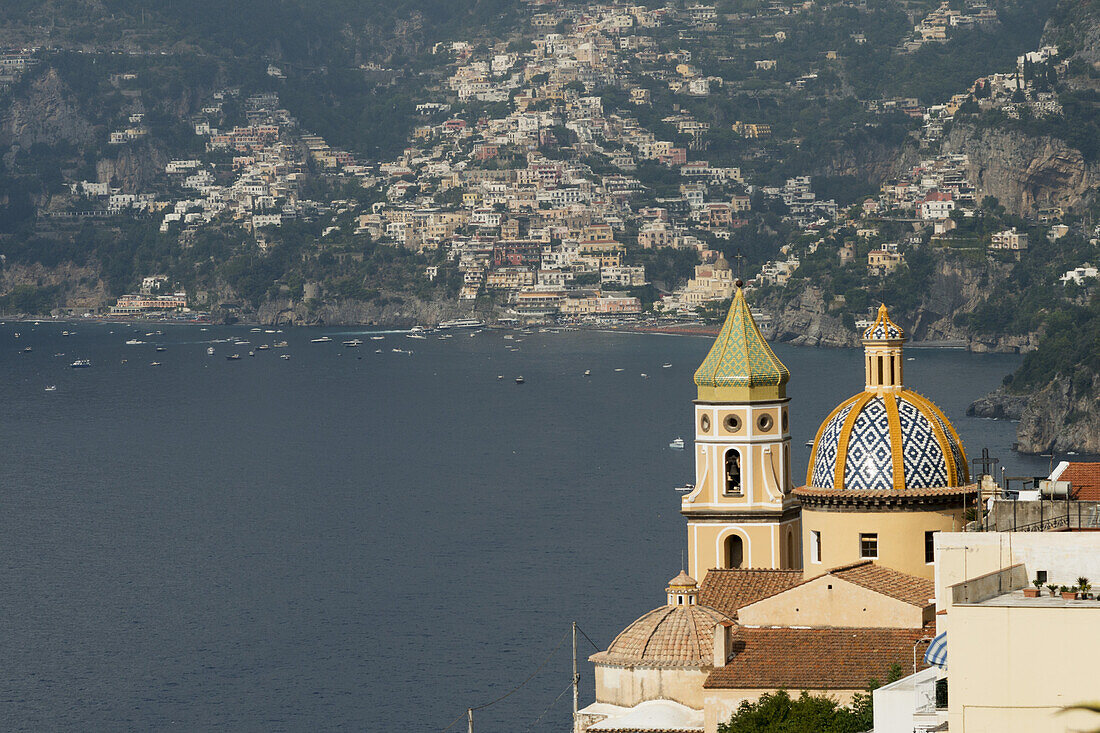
[{"x": 741, "y": 366}]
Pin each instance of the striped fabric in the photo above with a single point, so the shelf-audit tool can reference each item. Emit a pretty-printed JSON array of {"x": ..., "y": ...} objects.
[{"x": 937, "y": 652}]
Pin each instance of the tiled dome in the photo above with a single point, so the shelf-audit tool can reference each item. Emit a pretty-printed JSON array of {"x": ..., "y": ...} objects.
[
  {"x": 892, "y": 440},
  {"x": 883, "y": 329},
  {"x": 680, "y": 634},
  {"x": 669, "y": 636}
]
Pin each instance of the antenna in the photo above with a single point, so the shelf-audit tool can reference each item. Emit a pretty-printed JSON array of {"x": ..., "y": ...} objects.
[{"x": 681, "y": 559}]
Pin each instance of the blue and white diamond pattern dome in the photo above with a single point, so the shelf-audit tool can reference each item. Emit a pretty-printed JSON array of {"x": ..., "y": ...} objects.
[{"x": 887, "y": 440}]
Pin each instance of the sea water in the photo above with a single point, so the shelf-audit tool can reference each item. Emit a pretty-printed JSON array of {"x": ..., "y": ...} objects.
[{"x": 352, "y": 539}]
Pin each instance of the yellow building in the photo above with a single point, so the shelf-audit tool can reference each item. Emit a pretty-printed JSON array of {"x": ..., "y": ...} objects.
[
  {"x": 741, "y": 513},
  {"x": 886, "y": 473}
]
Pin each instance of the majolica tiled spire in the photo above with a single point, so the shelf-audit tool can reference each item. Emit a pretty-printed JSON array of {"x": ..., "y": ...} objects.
[{"x": 741, "y": 367}]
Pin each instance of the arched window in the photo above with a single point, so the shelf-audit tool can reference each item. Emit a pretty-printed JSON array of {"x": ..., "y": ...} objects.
[
  {"x": 733, "y": 472},
  {"x": 733, "y": 552}
]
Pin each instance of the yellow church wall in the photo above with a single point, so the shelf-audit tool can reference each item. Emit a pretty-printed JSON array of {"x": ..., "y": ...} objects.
[
  {"x": 832, "y": 601},
  {"x": 901, "y": 537},
  {"x": 628, "y": 686},
  {"x": 764, "y": 545},
  {"x": 720, "y": 705}
]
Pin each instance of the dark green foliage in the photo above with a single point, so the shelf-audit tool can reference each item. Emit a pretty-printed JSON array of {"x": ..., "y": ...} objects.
[{"x": 780, "y": 713}]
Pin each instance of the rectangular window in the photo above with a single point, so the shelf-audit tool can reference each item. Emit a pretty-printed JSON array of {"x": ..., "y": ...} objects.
[
  {"x": 868, "y": 546},
  {"x": 815, "y": 546},
  {"x": 929, "y": 547}
]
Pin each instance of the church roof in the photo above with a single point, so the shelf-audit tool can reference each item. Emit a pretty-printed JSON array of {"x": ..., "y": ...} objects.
[
  {"x": 740, "y": 364},
  {"x": 814, "y": 659},
  {"x": 883, "y": 329},
  {"x": 669, "y": 636},
  {"x": 727, "y": 590},
  {"x": 683, "y": 580},
  {"x": 890, "y": 441},
  {"x": 911, "y": 589}
]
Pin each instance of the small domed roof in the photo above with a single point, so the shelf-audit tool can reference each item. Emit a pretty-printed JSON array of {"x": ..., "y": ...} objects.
[
  {"x": 669, "y": 636},
  {"x": 683, "y": 580},
  {"x": 894, "y": 440},
  {"x": 721, "y": 263}
]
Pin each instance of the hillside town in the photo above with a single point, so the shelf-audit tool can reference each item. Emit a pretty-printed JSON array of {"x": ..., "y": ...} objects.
[{"x": 547, "y": 199}]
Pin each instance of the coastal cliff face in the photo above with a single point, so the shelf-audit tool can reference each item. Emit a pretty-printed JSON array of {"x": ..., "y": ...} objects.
[
  {"x": 392, "y": 311},
  {"x": 1023, "y": 173},
  {"x": 1063, "y": 416},
  {"x": 806, "y": 321},
  {"x": 46, "y": 114},
  {"x": 957, "y": 286}
]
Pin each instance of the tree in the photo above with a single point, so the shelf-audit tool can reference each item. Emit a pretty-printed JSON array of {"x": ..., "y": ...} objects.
[{"x": 780, "y": 713}]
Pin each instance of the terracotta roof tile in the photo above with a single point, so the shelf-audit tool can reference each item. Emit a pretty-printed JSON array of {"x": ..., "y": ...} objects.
[
  {"x": 893, "y": 583},
  {"x": 729, "y": 590},
  {"x": 1084, "y": 479},
  {"x": 669, "y": 636},
  {"x": 815, "y": 659}
]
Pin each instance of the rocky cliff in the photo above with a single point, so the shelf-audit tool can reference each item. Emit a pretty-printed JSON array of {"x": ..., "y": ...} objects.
[
  {"x": 957, "y": 286},
  {"x": 1063, "y": 416},
  {"x": 46, "y": 114},
  {"x": 1023, "y": 173},
  {"x": 391, "y": 311}
]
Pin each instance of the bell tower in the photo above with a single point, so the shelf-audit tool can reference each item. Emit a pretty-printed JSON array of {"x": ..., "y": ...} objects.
[{"x": 740, "y": 513}]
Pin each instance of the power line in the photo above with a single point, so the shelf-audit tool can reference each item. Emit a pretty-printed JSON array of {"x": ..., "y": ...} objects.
[
  {"x": 544, "y": 712},
  {"x": 589, "y": 640},
  {"x": 517, "y": 687}
]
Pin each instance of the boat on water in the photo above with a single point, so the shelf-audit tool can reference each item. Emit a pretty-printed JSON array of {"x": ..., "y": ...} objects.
[
  {"x": 666, "y": 366},
  {"x": 519, "y": 380},
  {"x": 154, "y": 363},
  {"x": 461, "y": 323},
  {"x": 588, "y": 372},
  {"x": 134, "y": 342},
  {"x": 81, "y": 364},
  {"x": 415, "y": 336},
  {"x": 51, "y": 388},
  {"x": 353, "y": 344},
  {"x": 27, "y": 350},
  {"x": 677, "y": 444},
  {"x": 322, "y": 340},
  {"x": 232, "y": 357},
  {"x": 645, "y": 376},
  {"x": 686, "y": 488},
  {"x": 284, "y": 356},
  {"x": 251, "y": 353},
  {"x": 209, "y": 350},
  {"x": 377, "y": 338},
  {"x": 619, "y": 369},
  {"x": 280, "y": 344},
  {"x": 263, "y": 347},
  {"x": 256, "y": 330},
  {"x": 241, "y": 342},
  {"x": 65, "y": 333},
  {"x": 161, "y": 348}
]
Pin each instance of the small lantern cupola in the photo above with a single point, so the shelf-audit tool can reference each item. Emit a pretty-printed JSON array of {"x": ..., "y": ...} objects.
[
  {"x": 682, "y": 590},
  {"x": 882, "y": 343}
]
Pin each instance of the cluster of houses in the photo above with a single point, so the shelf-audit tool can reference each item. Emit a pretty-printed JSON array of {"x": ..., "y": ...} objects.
[
  {"x": 935, "y": 27},
  {"x": 13, "y": 62}
]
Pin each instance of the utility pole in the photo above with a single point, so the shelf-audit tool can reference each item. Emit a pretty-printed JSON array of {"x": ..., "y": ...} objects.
[{"x": 576, "y": 677}]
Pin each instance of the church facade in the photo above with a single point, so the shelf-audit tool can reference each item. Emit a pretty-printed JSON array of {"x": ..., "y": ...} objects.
[{"x": 791, "y": 580}]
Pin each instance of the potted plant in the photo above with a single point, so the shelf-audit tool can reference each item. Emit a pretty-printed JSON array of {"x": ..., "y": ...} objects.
[
  {"x": 1084, "y": 586},
  {"x": 1069, "y": 592},
  {"x": 1034, "y": 592},
  {"x": 1053, "y": 589}
]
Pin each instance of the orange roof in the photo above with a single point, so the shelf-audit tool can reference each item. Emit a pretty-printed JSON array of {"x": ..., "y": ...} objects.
[
  {"x": 1084, "y": 479},
  {"x": 729, "y": 590},
  {"x": 893, "y": 583},
  {"x": 815, "y": 659}
]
